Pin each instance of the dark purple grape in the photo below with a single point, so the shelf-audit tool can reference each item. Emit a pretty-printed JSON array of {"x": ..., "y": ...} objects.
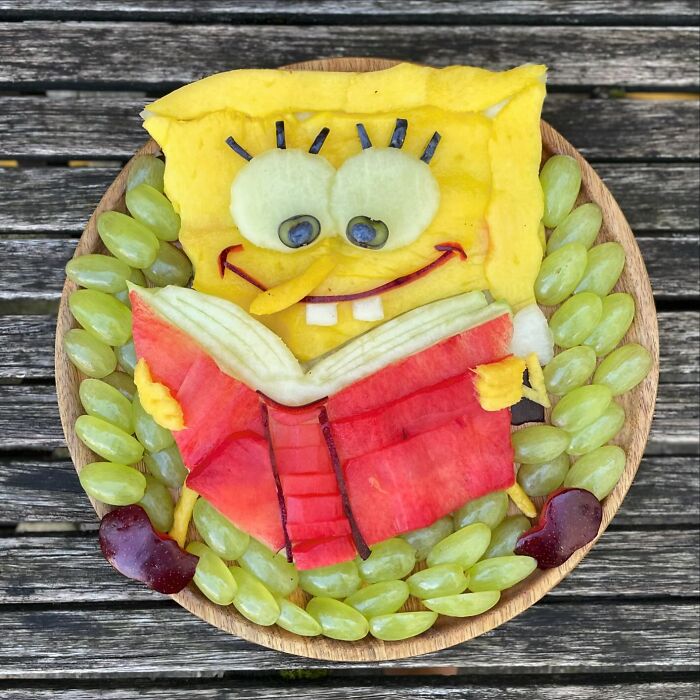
[{"x": 131, "y": 545}]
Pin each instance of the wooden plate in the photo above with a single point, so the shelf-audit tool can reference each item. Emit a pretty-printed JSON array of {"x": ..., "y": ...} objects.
[{"x": 638, "y": 404}]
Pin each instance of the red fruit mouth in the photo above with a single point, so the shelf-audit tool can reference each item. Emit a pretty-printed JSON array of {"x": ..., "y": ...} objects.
[{"x": 447, "y": 251}]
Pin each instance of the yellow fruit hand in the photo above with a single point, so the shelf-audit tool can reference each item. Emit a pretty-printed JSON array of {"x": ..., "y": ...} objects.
[
  {"x": 537, "y": 391},
  {"x": 500, "y": 384},
  {"x": 293, "y": 290},
  {"x": 157, "y": 400},
  {"x": 183, "y": 515},
  {"x": 522, "y": 500}
]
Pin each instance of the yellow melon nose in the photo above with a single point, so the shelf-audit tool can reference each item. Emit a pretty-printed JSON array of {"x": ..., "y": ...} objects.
[{"x": 293, "y": 290}]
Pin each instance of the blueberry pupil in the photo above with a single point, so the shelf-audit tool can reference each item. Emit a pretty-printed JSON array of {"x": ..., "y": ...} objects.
[
  {"x": 300, "y": 233},
  {"x": 363, "y": 233}
]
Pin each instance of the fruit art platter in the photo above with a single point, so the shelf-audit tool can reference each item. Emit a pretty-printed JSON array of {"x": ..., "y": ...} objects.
[{"x": 355, "y": 360}]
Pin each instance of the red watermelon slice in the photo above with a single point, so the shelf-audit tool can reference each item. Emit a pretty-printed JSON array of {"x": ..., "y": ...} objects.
[{"x": 409, "y": 444}]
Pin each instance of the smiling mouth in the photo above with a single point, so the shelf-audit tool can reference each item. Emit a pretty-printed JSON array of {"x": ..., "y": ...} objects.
[{"x": 447, "y": 251}]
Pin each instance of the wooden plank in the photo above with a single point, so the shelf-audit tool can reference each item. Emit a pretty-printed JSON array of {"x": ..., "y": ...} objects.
[
  {"x": 405, "y": 688},
  {"x": 167, "y": 640},
  {"x": 32, "y": 269},
  {"x": 26, "y": 347},
  {"x": 619, "y": 566},
  {"x": 605, "y": 129},
  {"x": 654, "y": 197},
  {"x": 41, "y": 53},
  {"x": 409, "y": 11},
  {"x": 675, "y": 428},
  {"x": 665, "y": 493}
]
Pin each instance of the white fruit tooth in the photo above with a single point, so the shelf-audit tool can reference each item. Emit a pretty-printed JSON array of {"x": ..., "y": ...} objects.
[
  {"x": 369, "y": 309},
  {"x": 321, "y": 314}
]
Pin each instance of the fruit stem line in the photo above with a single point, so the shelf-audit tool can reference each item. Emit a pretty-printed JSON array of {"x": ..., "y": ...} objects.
[
  {"x": 360, "y": 544},
  {"x": 278, "y": 482}
]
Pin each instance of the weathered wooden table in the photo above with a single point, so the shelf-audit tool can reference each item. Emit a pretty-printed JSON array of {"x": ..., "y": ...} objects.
[{"x": 74, "y": 75}]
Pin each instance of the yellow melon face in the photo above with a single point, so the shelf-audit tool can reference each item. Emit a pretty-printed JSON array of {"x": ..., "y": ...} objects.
[{"x": 485, "y": 169}]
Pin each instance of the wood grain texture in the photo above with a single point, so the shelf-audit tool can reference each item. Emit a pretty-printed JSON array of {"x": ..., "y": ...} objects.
[
  {"x": 64, "y": 196},
  {"x": 665, "y": 493},
  {"x": 449, "y": 688},
  {"x": 618, "y": 567},
  {"x": 32, "y": 269},
  {"x": 106, "y": 54},
  {"x": 601, "y": 129},
  {"x": 675, "y": 428},
  {"x": 26, "y": 352},
  {"x": 98, "y": 642},
  {"x": 314, "y": 11},
  {"x": 638, "y": 405}
]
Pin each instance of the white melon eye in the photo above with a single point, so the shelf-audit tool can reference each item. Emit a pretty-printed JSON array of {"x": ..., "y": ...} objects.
[
  {"x": 383, "y": 198},
  {"x": 280, "y": 199}
]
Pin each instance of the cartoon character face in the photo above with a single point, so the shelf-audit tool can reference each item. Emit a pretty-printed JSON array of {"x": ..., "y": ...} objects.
[{"x": 325, "y": 205}]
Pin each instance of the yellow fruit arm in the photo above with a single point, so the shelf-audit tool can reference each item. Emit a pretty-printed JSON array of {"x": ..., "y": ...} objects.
[{"x": 156, "y": 399}]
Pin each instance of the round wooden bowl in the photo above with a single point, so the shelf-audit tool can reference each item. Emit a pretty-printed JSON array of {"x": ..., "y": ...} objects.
[{"x": 638, "y": 405}]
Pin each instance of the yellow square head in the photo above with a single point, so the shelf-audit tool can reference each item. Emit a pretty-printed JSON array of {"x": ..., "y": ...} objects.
[{"x": 327, "y": 202}]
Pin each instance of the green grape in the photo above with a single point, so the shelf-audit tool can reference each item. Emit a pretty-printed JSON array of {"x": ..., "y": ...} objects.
[
  {"x": 151, "y": 435},
  {"x": 390, "y": 559},
  {"x": 463, "y": 547},
  {"x": 538, "y": 443},
  {"x": 559, "y": 274},
  {"x": 158, "y": 504},
  {"x": 543, "y": 478},
  {"x": 137, "y": 277},
  {"x": 296, "y": 620},
  {"x": 397, "y": 626},
  {"x": 443, "y": 579},
  {"x": 489, "y": 509},
  {"x": 618, "y": 314},
  {"x": 148, "y": 169},
  {"x": 218, "y": 531},
  {"x": 104, "y": 401},
  {"x": 113, "y": 483},
  {"x": 212, "y": 576},
  {"x": 107, "y": 440},
  {"x": 338, "y": 620},
  {"x": 147, "y": 205},
  {"x": 600, "y": 431},
  {"x": 273, "y": 569},
  {"x": 624, "y": 368},
  {"x": 335, "y": 581},
  {"x": 581, "y": 407},
  {"x": 101, "y": 272},
  {"x": 102, "y": 315},
  {"x": 379, "y": 598},
  {"x": 123, "y": 297},
  {"x": 499, "y": 573},
  {"x": 424, "y": 539},
  {"x": 464, "y": 604},
  {"x": 123, "y": 383},
  {"x": 166, "y": 465},
  {"x": 127, "y": 239},
  {"x": 575, "y": 319},
  {"x": 598, "y": 471},
  {"x": 605, "y": 263},
  {"x": 560, "y": 178},
  {"x": 126, "y": 356},
  {"x": 506, "y": 535},
  {"x": 569, "y": 369},
  {"x": 581, "y": 226},
  {"x": 253, "y": 600},
  {"x": 171, "y": 266},
  {"x": 91, "y": 356}
]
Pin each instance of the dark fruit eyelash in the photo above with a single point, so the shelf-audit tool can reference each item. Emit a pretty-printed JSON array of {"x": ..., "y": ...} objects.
[
  {"x": 399, "y": 135},
  {"x": 279, "y": 132},
  {"x": 320, "y": 139},
  {"x": 430, "y": 148},
  {"x": 364, "y": 138},
  {"x": 238, "y": 149}
]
